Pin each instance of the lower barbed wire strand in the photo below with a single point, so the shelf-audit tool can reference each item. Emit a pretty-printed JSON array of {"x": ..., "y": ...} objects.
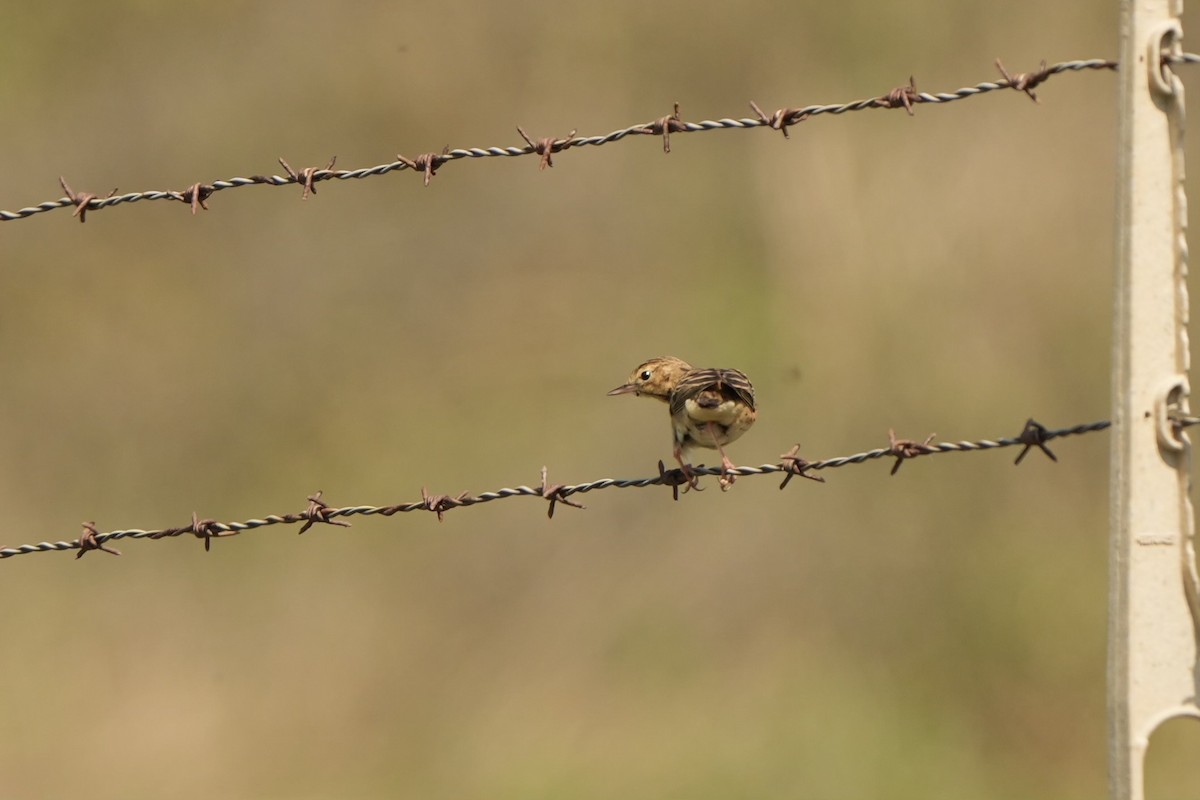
[{"x": 1034, "y": 435}]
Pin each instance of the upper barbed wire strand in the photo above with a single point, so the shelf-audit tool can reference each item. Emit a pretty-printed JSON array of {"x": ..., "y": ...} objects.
[
  {"x": 903, "y": 97},
  {"x": 1033, "y": 435}
]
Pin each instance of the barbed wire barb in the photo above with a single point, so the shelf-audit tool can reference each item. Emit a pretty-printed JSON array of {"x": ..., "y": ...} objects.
[
  {"x": 308, "y": 176},
  {"x": 319, "y": 511},
  {"x": 1025, "y": 81},
  {"x": 196, "y": 195},
  {"x": 81, "y": 200},
  {"x": 89, "y": 541},
  {"x": 901, "y": 97},
  {"x": 906, "y": 97},
  {"x": 426, "y": 163},
  {"x": 546, "y": 146},
  {"x": 555, "y": 493},
  {"x": 796, "y": 466},
  {"x": 664, "y": 126},
  {"x": 907, "y": 448},
  {"x": 1033, "y": 434},
  {"x": 781, "y": 119}
]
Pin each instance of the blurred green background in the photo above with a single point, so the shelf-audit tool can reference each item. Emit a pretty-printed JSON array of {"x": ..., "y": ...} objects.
[{"x": 940, "y": 633}]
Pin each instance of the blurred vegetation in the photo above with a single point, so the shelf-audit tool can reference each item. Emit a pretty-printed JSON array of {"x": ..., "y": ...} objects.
[{"x": 940, "y": 633}]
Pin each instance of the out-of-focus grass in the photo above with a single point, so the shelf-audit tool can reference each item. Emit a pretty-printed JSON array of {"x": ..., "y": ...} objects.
[{"x": 938, "y": 633}]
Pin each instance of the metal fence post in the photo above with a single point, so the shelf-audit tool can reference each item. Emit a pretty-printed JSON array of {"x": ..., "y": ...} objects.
[{"x": 1154, "y": 592}]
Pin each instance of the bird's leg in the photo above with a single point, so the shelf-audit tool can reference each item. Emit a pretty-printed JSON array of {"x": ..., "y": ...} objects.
[
  {"x": 692, "y": 481},
  {"x": 727, "y": 475}
]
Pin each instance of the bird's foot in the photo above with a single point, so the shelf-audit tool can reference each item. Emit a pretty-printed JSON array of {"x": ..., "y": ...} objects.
[
  {"x": 689, "y": 476},
  {"x": 728, "y": 476}
]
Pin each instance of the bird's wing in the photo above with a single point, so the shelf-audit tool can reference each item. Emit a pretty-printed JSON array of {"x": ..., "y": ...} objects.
[{"x": 730, "y": 383}]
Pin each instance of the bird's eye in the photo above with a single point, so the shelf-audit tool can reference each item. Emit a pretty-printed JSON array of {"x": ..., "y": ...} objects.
[{"x": 645, "y": 375}]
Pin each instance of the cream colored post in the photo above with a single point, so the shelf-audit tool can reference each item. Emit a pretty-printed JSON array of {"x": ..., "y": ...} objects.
[{"x": 1154, "y": 594}]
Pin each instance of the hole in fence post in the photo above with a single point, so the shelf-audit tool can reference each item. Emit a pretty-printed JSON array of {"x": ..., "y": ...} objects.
[{"x": 1172, "y": 769}]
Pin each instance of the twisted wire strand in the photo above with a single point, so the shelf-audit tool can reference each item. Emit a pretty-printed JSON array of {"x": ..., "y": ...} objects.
[
  {"x": 318, "y": 512},
  {"x": 904, "y": 97}
]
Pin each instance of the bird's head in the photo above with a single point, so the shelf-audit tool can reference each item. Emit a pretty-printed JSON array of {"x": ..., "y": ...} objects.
[{"x": 655, "y": 378}]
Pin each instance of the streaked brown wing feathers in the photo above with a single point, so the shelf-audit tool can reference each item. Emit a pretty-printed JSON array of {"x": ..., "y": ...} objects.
[{"x": 730, "y": 382}]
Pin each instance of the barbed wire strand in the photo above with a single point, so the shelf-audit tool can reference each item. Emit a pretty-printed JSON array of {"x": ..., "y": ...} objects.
[
  {"x": 1033, "y": 435},
  {"x": 906, "y": 96}
]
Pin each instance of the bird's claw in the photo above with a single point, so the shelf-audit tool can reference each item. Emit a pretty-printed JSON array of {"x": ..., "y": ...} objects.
[
  {"x": 728, "y": 476},
  {"x": 691, "y": 478}
]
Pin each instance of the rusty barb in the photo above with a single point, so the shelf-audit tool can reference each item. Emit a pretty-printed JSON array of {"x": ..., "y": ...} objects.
[
  {"x": 82, "y": 201},
  {"x": 89, "y": 541},
  {"x": 556, "y": 493},
  {"x": 664, "y": 127},
  {"x": 907, "y": 97},
  {"x": 440, "y": 503},
  {"x": 791, "y": 465},
  {"x": 319, "y": 511},
  {"x": 309, "y": 175},
  {"x": 907, "y": 448},
  {"x": 901, "y": 97},
  {"x": 427, "y": 163},
  {"x": 1025, "y": 81},
  {"x": 206, "y": 529},
  {"x": 547, "y": 146},
  {"x": 795, "y": 465},
  {"x": 196, "y": 195},
  {"x": 782, "y": 118}
]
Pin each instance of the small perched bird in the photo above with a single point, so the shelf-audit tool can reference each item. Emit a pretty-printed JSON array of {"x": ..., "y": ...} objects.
[{"x": 709, "y": 407}]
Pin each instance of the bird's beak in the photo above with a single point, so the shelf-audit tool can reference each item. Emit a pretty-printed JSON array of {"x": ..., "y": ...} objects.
[{"x": 628, "y": 388}]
